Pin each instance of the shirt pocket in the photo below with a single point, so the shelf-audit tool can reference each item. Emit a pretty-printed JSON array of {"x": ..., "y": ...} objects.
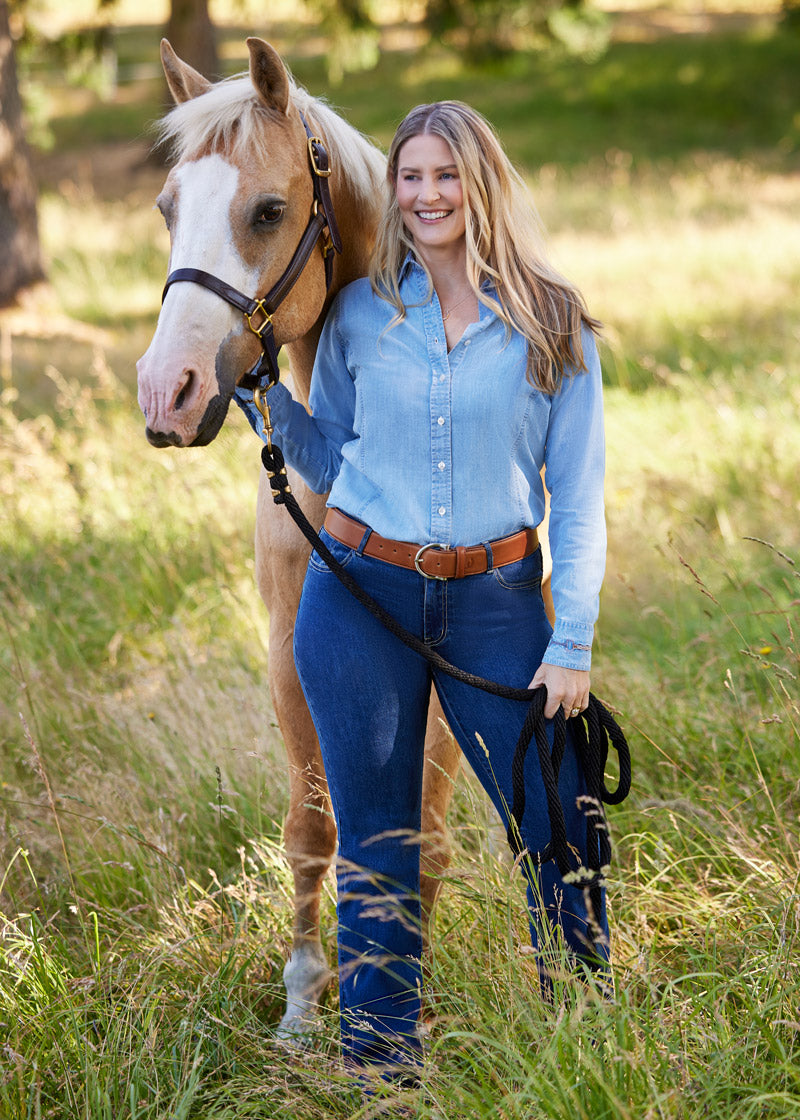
[{"x": 522, "y": 575}]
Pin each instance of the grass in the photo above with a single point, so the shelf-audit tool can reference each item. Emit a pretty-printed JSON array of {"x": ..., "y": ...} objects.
[{"x": 145, "y": 899}]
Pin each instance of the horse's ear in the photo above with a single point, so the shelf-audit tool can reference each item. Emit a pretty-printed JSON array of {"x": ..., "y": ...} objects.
[
  {"x": 268, "y": 75},
  {"x": 184, "y": 82}
]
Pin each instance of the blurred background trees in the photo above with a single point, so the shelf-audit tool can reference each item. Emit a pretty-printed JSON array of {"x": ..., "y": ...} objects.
[
  {"x": 77, "y": 53},
  {"x": 20, "y": 258},
  {"x": 191, "y": 33}
]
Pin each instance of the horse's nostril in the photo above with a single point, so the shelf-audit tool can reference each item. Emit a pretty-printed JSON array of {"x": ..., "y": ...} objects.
[{"x": 180, "y": 400}]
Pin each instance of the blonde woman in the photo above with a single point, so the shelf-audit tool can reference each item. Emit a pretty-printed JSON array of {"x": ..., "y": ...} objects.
[{"x": 443, "y": 384}]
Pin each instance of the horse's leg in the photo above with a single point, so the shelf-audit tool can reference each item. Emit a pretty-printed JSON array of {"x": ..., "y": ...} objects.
[
  {"x": 442, "y": 760},
  {"x": 310, "y": 833},
  {"x": 547, "y": 559}
]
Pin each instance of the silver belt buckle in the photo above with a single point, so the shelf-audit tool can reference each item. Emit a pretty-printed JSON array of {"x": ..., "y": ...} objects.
[{"x": 418, "y": 557}]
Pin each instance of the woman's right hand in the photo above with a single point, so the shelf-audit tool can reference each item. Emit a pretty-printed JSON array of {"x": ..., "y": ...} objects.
[{"x": 566, "y": 688}]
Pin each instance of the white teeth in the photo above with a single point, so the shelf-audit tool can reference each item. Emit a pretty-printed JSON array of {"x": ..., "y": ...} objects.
[{"x": 429, "y": 215}]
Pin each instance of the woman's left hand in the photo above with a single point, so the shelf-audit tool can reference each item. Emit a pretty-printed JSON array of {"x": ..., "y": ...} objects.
[{"x": 566, "y": 688}]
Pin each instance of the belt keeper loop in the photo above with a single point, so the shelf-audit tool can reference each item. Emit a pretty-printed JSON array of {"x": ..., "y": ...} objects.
[
  {"x": 461, "y": 561},
  {"x": 489, "y": 556},
  {"x": 364, "y": 539}
]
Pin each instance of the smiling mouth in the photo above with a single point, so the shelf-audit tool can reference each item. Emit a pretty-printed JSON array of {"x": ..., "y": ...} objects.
[{"x": 433, "y": 215}]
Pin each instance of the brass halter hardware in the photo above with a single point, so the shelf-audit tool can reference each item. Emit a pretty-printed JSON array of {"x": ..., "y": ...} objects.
[
  {"x": 260, "y": 401},
  {"x": 258, "y": 329},
  {"x": 323, "y": 172}
]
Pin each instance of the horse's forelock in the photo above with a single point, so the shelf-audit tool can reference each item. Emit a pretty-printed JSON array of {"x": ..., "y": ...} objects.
[{"x": 231, "y": 114}]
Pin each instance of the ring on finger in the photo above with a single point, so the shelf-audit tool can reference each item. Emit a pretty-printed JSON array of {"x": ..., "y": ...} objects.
[{"x": 575, "y": 712}]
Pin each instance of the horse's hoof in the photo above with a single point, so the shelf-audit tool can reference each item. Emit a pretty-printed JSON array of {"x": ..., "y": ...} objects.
[
  {"x": 306, "y": 975},
  {"x": 297, "y": 1034}
]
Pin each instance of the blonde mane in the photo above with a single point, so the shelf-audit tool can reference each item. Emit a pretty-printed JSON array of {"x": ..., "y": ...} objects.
[{"x": 231, "y": 114}]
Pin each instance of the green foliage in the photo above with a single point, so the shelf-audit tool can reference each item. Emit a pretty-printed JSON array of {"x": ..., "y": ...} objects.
[{"x": 352, "y": 35}]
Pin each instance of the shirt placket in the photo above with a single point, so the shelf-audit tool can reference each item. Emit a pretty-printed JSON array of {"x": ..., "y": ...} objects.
[{"x": 441, "y": 460}]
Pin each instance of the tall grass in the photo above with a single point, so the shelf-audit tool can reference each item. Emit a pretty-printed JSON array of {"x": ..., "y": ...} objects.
[{"x": 145, "y": 898}]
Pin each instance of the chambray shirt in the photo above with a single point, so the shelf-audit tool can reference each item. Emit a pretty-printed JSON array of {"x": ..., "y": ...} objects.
[{"x": 429, "y": 446}]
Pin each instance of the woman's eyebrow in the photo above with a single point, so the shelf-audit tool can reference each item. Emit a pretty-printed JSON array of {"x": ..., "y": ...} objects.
[{"x": 444, "y": 167}]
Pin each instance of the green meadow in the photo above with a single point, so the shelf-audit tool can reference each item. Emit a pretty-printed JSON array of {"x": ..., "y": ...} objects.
[{"x": 144, "y": 898}]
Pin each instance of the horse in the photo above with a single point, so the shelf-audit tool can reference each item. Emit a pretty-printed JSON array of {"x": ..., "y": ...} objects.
[{"x": 236, "y": 202}]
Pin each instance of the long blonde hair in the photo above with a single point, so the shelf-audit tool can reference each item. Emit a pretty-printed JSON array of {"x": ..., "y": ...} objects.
[{"x": 504, "y": 244}]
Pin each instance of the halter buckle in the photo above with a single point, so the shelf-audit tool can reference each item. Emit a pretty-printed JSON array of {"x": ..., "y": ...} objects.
[
  {"x": 259, "y": 329},
  {"x": 418, "y": 562},
  {"x": 322, "y": 172}
]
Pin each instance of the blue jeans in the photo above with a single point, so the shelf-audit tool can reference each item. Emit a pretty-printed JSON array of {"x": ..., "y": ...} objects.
[{"x": 368, "y": 695}]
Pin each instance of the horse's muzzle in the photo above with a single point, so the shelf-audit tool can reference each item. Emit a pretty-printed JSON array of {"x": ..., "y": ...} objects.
[{"x": 163, "y": 439}]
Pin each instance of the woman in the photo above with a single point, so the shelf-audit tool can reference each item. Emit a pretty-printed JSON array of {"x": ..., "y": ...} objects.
[{"x": 443, "y": 384}]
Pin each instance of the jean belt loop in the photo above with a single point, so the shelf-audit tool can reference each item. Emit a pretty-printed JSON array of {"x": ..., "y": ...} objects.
[
  {"x": 364, "y": 539},
  {"x": 489, "y": 557}
]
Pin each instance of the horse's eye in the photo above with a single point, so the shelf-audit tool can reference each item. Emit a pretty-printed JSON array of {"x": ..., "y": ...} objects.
[{"x": 269, "y": 215}]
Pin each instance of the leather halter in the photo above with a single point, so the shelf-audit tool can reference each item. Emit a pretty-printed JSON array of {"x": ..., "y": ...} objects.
[{"x": 259, "y": 312}]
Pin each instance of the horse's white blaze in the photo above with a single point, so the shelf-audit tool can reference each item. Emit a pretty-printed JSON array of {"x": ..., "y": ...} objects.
[{"x": 194, "y": 320}]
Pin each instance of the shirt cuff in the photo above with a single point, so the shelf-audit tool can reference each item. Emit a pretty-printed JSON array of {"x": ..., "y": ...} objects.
[{"x": 570, "y": 647}]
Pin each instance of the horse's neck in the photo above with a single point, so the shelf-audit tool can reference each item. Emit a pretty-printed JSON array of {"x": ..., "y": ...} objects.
[
  {"x": 357, "y": 223},
  {"x": 301, "y": 354}
]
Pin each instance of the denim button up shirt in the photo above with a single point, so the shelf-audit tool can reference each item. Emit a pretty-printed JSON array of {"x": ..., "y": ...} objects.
[{"x": 427, "y": 445}]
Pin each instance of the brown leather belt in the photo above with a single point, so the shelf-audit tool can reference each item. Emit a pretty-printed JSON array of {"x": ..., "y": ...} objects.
[{"x": 432, "y": 560}]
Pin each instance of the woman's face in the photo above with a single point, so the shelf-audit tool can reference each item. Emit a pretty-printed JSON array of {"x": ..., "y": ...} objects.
[{"x": 429, "y": 193}]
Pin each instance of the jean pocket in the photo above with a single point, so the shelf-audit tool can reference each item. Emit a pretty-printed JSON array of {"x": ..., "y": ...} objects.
[
  {"x": 342, "y": 553},
  {"x": 522, "y": 574}
]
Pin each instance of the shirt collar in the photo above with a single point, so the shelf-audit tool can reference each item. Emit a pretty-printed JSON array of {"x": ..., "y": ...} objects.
[
  {"x": 409, "y": 263},
  {"x": 411, "y": 267}
]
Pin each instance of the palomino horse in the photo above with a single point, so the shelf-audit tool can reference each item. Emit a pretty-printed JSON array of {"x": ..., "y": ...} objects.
[{"x": 236, "y": 203}]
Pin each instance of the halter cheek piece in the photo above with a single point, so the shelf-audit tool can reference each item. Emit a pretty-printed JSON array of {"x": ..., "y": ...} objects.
[{"x": 259, "y": 312}]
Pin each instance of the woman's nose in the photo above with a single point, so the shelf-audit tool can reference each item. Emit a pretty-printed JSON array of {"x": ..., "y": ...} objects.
[{"x": 429, "y": 191}]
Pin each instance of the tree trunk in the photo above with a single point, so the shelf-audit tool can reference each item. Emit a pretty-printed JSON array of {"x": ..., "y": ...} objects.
[
  {"x": 20, "y": 259},
  {"x": 191, "y": 33}
]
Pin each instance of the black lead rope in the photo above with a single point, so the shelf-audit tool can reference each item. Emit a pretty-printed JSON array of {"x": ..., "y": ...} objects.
[{"x": 593, "y": 730}]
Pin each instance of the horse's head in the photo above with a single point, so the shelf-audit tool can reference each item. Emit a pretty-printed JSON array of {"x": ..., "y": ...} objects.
[{"x": 236, "y": 204}]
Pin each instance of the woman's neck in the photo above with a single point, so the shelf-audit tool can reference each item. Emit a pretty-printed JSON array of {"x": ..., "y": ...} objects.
[{"x": 447, "y": 266}]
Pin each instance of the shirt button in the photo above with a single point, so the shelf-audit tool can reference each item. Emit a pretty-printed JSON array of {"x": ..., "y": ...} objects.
[
  {"x": 442, "y": 511},
  {"x": 440, "y": 421},
  {"x": 441, "y": 377},
  {"x": 440, "y": 466}
]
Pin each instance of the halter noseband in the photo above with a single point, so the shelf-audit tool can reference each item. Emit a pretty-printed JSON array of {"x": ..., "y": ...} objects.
[{"x": 259, "y": 312}]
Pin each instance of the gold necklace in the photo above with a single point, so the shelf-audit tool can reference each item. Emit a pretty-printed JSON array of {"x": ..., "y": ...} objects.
[{"x": 446, "y": 315}]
